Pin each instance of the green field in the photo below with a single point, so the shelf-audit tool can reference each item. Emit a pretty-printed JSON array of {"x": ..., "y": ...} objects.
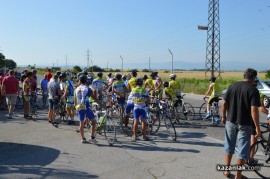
[{"x": 191, "y": 81}]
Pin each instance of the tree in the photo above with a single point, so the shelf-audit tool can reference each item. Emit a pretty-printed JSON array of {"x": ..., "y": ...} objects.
[
  {"x": 2, "y": 58},
  {"x": 267, "y": 74},
  {"x": 77, "y": 69},
  {"x": 95, "y": 69},
  {"x": 10, "y": 63}
]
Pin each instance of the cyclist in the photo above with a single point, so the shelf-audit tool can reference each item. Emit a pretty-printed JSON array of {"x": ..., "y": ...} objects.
[
  {"x": 175, "y": 85},
  {"x": 149, "y": 83},
  {"x": 26, "y": 94},
  {"x": 82, "y": 94},
  {"x": 44, "y": 86},
  {"x": 99, "y": 85},
  {"x": 69, "y": 96},
  {"x": 169, "y": 93},
  {"x": 119, "y": 88},
  {"x": 140, "y": 98},
  {"x": 132, "y": 81},
  {"x": 157, "y": 86},
  {"x": 215, "y": 93},
  {"x": 125, "y": 80},
  {"x": 109, "y": 79},
  {"x": 54, "y": 98}
]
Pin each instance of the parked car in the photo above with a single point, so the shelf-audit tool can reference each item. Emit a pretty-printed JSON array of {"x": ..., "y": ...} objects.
[{"x": 264, "y": 87}]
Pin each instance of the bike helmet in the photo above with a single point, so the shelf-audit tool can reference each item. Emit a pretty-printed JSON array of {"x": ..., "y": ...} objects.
[
  {"x": 118, "y": 76},
  {"x": 139, "y": 81},
  {"x": 124, "y": 77},
  {"x": 110, "y": 74},
  {"x": 58, "y": 73},
  {"x": 172, "y": 76},
  {"x": 166, "y": 84},
  {"x": 34, "y": 71},
  {"x": 213, "y": 79},
  {"x": 100, "y": 74},
  {"x": 63, "y": 75}
]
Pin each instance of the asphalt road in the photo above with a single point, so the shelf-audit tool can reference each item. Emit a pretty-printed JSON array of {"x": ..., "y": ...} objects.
[{"x": 36, "y": 149}]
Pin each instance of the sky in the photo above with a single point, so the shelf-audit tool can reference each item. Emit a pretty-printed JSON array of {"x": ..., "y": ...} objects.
[{"x": 59, "y": 32}]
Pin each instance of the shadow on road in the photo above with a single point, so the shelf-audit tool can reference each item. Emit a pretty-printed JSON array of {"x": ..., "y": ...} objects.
[{"x": 29, "y": 161}]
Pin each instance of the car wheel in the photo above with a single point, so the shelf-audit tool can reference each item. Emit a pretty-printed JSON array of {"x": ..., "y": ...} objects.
[{"x": 266, "y": 101}]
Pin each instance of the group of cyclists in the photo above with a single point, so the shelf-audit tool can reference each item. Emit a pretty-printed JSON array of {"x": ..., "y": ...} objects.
[{"x": 132, "y": 93}]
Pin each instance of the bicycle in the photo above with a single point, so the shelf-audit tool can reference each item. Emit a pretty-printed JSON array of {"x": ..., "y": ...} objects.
[
  {"x": 214, "y": 111},
  {"x": 61, "y": 112},
  {"x": 20, "y": 100},
  {"x": 105, "y": 123},
  {"x": 261, "y": 149},
  {"x": 184, "y": 108},
  {"x": 157, "y": 112},
  {"x": 42, "y": 99}
]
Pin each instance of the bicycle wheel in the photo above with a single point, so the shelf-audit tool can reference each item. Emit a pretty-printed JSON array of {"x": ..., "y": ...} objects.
[
  {"x": 262, "y": 155},
  {"x": 170, "y": 127},
  {"x": 203, "y": 110},
  {"x": 109, "y": 130},
  {"x": 190, "y": 111},
  {"x": 19, "y": 102},
  {"x": 155, "y": 125},
  {"x": 40, "y": 101}
]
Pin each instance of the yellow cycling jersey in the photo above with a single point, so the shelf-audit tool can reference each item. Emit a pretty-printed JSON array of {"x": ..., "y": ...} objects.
[
  {"x": 149, "y": 82},
  {"x": 132, "y": 82},
  {"x": 169, "y": 93},
  {"x": 215, "y": 90},
  {"x": 175, "y": 86}
]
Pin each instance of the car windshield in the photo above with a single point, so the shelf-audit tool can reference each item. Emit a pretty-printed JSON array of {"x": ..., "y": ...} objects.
[{"x": 267, "y": 83}]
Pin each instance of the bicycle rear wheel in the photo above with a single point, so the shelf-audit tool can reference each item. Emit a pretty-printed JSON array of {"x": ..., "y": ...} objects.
[
  {"x": 262, "y": 155},
  {"x": 19, "y": 102},
  {"x": 190, "y": 111},
  {"x": 155, "y": 125},
  {"x": 203, "y": 110},
  {"x": 170, "y": 127},
  {"x": 109, "y": 130},
  {"x": 41, "y": 101}
]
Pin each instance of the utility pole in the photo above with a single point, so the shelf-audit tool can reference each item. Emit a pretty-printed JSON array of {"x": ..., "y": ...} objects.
[
  {"x": 212, "y": 62},
  {"x": 149, "y": 63},
  {"x": 107, "y": 66},
  {"x": 122, "y": 63},
  {"x": 172, "y": 59},
  {"x": 88, "y": 56},
  {"x": 66, "y": 60}
]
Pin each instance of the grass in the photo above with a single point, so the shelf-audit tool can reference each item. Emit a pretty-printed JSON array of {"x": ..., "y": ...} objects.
[{"x": 190, "y": 81}]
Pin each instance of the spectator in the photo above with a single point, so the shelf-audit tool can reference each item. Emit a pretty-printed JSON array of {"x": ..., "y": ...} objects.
[
  {"x": 239, "y": 109},
  {"x": 44, "y": 85},
  {"x": 54, "y": 98},
  {"x": 11, "y": 88},
  {"x": 34, "y": 80},
  {"x": 48, "y": 74},
  {"x": 2, "y": 96}
]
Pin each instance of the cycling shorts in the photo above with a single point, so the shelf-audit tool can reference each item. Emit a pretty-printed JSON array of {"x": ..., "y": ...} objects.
[
  {"x": 140, "y": 112},
  {"x": 85, "y": 113},
  {"x": 129, "y": 107},
  {"x": 53, "y": 103},
  {"x": 121, "y": 101}
]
